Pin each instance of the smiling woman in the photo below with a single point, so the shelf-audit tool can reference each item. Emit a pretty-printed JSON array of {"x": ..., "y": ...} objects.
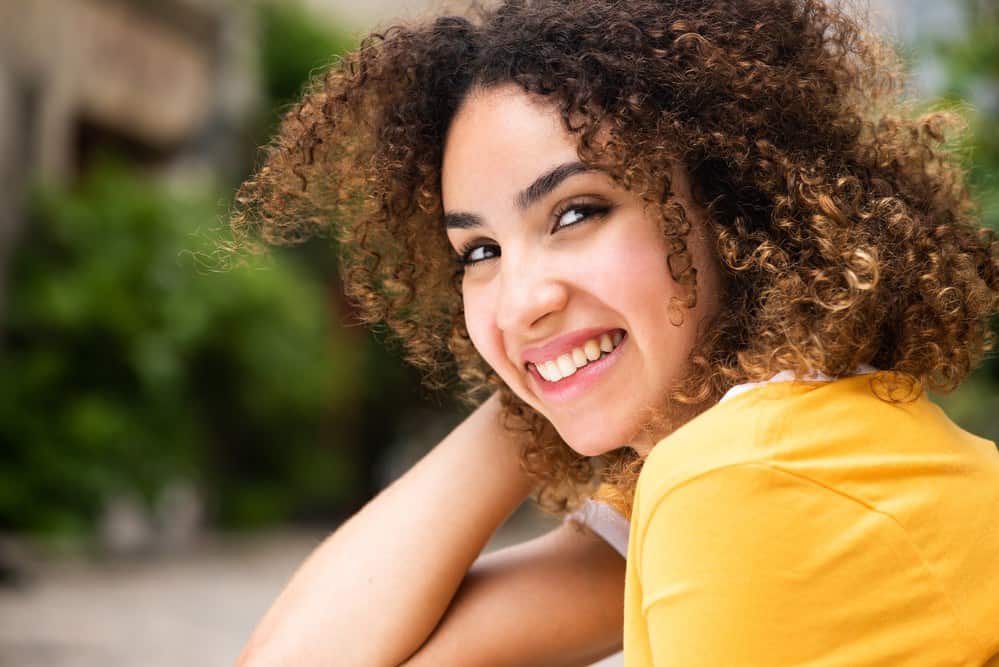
[
  {"x": 700, "y": 258},
  {"x": 573, "y": 262}
]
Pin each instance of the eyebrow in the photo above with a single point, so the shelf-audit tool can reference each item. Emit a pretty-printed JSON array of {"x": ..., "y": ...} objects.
[{"x": 542, "y": 186}]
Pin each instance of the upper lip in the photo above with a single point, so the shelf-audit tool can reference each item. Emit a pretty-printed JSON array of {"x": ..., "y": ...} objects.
[{"x": 563, "y": 344}]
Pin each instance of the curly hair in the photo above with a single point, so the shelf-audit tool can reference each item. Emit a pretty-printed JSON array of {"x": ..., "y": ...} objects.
[{"x": 842, "y": 225}]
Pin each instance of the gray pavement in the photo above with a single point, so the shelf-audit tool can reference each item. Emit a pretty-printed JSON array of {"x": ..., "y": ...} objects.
[{"x": 192, "y": 609}]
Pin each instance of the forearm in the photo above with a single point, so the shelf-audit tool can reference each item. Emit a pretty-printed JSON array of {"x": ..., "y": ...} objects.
[
  {"x": 373, "y": 591},
  {"x": 556, "y": 600}
]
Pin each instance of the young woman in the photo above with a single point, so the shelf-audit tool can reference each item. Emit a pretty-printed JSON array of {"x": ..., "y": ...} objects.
[{"x": 697, "y": 255}]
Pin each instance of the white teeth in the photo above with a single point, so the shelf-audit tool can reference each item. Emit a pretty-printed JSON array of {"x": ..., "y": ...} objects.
[
  {"x": 552, "y": 372},
  {"x": 565, "y": 365},
  {"x": 549, "y": 371}
]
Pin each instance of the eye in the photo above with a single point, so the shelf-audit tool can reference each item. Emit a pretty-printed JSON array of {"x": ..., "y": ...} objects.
[
  {"x": 476, "y": 251},
  {"x": 574, "y": 213}
]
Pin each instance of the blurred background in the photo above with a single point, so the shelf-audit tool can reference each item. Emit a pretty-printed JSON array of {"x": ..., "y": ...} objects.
[{"x": 176, "y": 434}]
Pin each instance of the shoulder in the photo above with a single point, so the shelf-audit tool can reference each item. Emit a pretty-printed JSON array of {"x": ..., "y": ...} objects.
[
  {"x": 745, "y": 505},
  {"x": 814, "y": 508},
  {"x": 757, "y": 548},
  {"x": 801, "y": 426}
]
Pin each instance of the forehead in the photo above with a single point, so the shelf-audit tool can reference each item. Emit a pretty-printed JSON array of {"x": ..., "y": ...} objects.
[{"x": 499, "y": 141}]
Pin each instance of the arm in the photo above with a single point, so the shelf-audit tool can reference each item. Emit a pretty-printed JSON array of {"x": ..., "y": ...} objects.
[
  {"x": 374, "y": 590},
  {"x": 757, "y": 566},
  {"x": 556, "y": 600}
]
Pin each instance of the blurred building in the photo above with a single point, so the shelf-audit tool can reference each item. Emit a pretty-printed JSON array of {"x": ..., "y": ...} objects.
[
  {"x": 169, "y": 85},
  {"x": 373, "y": 14}
]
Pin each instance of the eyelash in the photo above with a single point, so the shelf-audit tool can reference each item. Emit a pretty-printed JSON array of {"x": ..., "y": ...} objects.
[{"x": 587, "y": 210}]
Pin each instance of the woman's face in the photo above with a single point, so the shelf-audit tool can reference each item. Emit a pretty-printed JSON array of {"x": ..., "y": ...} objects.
[{"x": 566, "y": 290}]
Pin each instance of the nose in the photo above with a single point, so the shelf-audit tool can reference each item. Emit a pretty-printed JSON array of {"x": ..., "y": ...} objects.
[{"x": 530, "y": 290}]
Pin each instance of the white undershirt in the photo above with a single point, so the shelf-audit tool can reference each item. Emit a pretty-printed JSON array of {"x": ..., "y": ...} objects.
[{"x": 611, "y": 525}]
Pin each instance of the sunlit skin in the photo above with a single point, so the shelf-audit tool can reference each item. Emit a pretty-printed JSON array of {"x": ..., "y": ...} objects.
[{"x": 586, "y": 254}]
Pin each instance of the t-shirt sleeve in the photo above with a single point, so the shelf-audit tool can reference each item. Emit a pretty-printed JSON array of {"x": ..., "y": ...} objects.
[
  {"x": 755, "y": 566},
  {"x": 605, "y": 521}
]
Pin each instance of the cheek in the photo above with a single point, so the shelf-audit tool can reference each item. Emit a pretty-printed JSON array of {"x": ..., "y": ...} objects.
[
  {"x": 631, "y": 272},
  {"x": 632, "y": 275}
]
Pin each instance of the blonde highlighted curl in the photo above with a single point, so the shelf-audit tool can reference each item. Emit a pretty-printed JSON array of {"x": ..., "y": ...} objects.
[{"x": 842, "y": 226}]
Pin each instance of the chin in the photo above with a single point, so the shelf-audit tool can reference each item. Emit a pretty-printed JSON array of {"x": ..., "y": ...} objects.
[
  {"x": 593, "y": 442},
  {"x": 611, "y": 432}
]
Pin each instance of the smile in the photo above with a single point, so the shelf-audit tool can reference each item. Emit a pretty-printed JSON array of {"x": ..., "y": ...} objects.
[
  {"x": 571, "y": 373},
  {"x": 565, "y": 365}
]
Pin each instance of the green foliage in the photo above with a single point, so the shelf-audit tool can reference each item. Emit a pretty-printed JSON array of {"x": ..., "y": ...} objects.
[
  {"x": 294, "y": 44},
  {"x": 972, "y": 66},
  {"x": 972, "y": 88},
  {"x": 130, "y": 359}
]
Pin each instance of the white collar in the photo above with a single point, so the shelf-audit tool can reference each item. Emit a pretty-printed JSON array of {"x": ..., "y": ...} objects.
[{"x": 788, "y": 376}]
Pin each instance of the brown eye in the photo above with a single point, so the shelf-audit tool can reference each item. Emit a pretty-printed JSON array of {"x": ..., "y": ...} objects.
[
  {"x": 573, "y": 214},
  {"x": 476, "y": 252}
]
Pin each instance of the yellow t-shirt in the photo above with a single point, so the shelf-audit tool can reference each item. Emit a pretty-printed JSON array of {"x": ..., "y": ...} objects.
[{"x": 813, "y": 524}]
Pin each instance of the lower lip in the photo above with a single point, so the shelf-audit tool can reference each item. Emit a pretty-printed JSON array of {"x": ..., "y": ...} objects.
[{"x": 585, "y": 377}]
